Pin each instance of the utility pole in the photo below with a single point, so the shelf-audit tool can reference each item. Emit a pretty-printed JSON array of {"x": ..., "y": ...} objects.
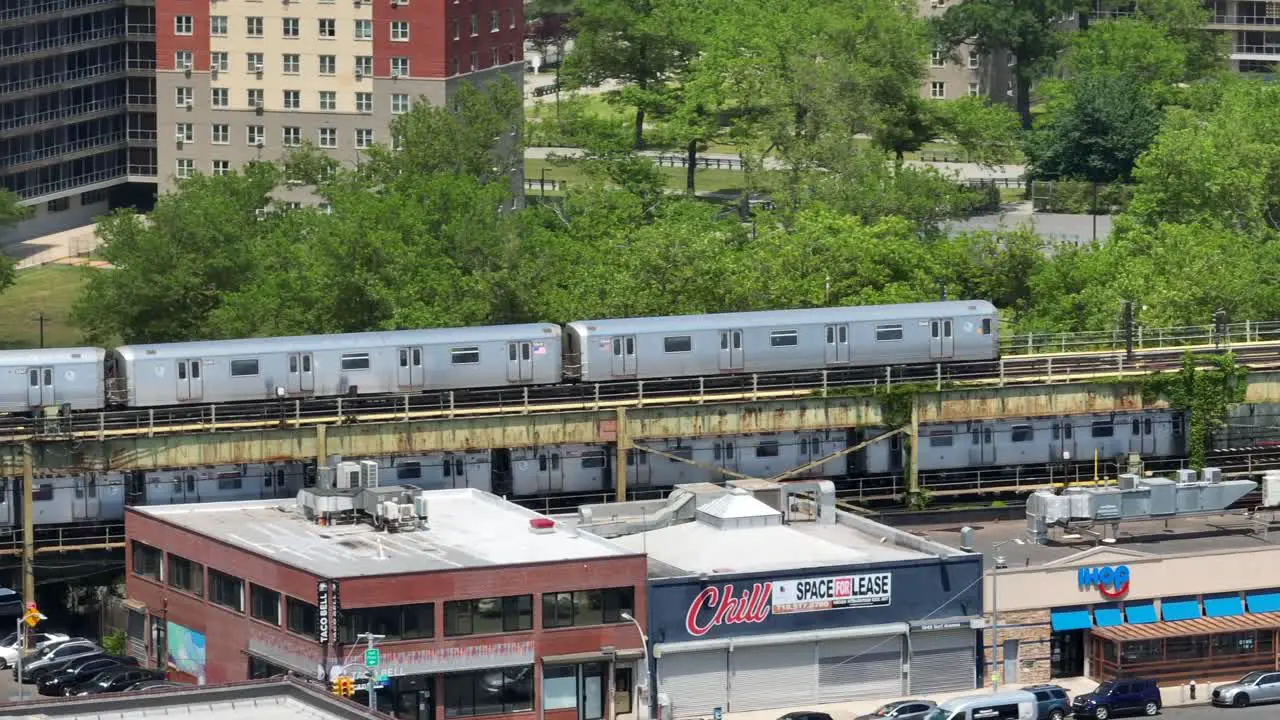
[
  {"x": 40, "y": 319},
  {"x": 372, "y": 659}
]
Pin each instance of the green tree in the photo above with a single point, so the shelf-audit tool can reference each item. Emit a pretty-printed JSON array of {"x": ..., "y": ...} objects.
[
  {"x": 986, "y": 131},
  {"x": 10, "y": 213}
]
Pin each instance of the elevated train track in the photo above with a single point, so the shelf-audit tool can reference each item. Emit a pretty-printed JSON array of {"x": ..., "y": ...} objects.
[{"x": 1040, "y": 369}]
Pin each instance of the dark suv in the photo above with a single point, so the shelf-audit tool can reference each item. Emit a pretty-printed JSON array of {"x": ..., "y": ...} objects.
[
  {"x": 1115, "y": 697},
  {"x": 1051, "y": 701}
]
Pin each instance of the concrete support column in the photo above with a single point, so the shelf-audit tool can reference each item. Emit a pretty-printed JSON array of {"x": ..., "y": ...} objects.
[
  {"x": 623, "y": 443},
  {"x": 913, "y": 475},
  {"x": 28, "y": 524}
]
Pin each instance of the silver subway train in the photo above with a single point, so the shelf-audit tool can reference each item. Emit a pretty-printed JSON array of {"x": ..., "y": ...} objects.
[{"x": 406, "y": 361}]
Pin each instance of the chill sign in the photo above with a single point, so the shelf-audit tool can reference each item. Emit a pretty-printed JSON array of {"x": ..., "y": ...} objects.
[
  {"x": 1111, "y": 582},
  {"x": 728, "y": 605}
]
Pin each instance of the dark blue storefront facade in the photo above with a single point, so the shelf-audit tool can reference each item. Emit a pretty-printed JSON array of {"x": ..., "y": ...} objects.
[{"x": 815, "y": 635}]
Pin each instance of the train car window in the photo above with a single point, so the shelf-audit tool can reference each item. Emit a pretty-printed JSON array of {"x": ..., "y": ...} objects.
[
  {"x": 1146, "y": 426},
  {"x": 946, "y": 328},
  {"x": 48, "y": 377},
  {"x": 986, "y": 326},
  {"x": 1068, "y": 430},
  {"x": 511, "y": 350},
  {"x": 1057, "y": 431},
  {"x": 728, "y": 450},
  {"x": 79, "y": 488},
  {"x": 524, "y": 351},
  {"x": 933, "y": 328},
  {"x": 1135, "y": 427},
  {"x": 4, "y": 491},
  {"x": 293, "y": 362},
  {"x": 888, "y": 333},
  {"x": 417, "y": 357},
  {"x": 457, "y": 467},
  {"x": 542, "y": 462},
  {"x": 1102, "y": 429},
  {"x": 306, "y": 363},
  {"x": 895, "y": 443},
  {"x": 737, "y": 339},
  {"x": 815, "y": 447},
  {"x": 230, "y": 481},
  {"x": 767, "y": 448},
  {"x": 677, "y": 344},
  {"x": 680, "y": 452},
  {"x": 555, "y": 461},
  {"x": 1022, "y": 433},
  {"x": 404, "y": 359},
  {"x": 34, "y": 375},
  {"x": 182, "y": 371},
  {"x": 724, "y": 341},
  {"x": 593, "y": 460},
  {"x": 191, "y": 483},
  {"x": 266, "y": 480},
  {"x": 986, "y": 436},
  {"x": 940, "y": 438},
  {"x": 831, "y": 335},
  {"x": 93, "y": 488},
  {"x": 716, "y": 450},
  {"x": 448, "y": 466},
  {"x": 844, "y": 335},
  {"x": 631, "y": 346},
  {"x": 409, "y": 471},
  {"x": 355, "y": 361},
  {"x": 195, "y": 369},
  {"x": 244, "y": 368},
  {"x": 975, "y": 434},
  {"x": 631, "y": 458},
  {"x": 617, "y": 346},
  {"x": 1177, "y": 425},
  {"x": 784, "y": 338},
  {"x": 42, "y": 492},
  {"x": 464, "y": 355}
]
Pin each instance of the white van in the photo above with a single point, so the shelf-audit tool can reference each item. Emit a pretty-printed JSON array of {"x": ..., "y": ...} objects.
[{"x": 1011, "y": 705}]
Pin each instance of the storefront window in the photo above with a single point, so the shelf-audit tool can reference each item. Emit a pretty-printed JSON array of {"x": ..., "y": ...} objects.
[
  {"x": 622, "y": 680},
  {"x": 559, "y": 687},
  {"x": 1186, "y": 648},
  {"x": 1234, "y": 643},
  {"x": 489, "y": 692},
  {"x": 260, "y": 669},
  {"x": 586, "y": 607},
  {"x": 1143, "y": 651},
  {"x": 407, "y": 622}
]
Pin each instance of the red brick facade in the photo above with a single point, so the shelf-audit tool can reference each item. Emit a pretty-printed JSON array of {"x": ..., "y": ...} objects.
[{"x": 229, "y": 635}]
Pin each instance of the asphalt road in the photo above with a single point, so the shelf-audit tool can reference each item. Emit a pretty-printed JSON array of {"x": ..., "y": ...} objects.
[{"x": 1208, "y": 712}]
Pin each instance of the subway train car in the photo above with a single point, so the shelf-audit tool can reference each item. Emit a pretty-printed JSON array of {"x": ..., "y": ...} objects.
[
  {"x": 331, "y": 365},
  {"x": 34, "y": 379},
  {"x": 781, "y": 341}
]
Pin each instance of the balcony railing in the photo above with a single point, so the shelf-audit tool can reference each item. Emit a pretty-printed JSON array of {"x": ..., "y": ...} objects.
[
  {"x": 62, "y": 149},
  {"x": 143, "y": 170},
  {"x": 1246, "y": 49},
  {"x": 63, "y": 42},
  {"x": 62, "y": 78},
  {"x": 78, "y": 181},
  {"x": 62, "y": 113},
  {"x": 141, "y": 64},
  {"x": 1244, "y": 20},
  {"x": 48, "y": 7},
  {"x": 140, "y": 30}
]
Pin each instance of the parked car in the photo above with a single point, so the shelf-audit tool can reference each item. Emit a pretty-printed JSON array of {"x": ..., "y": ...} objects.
[
  {"x": 805, "y": 715},
  {"x": 1004, "y": 704},
  {"x": 56, "y": 657},
  {"x": 115, "y": 680},
  {"x": 1115, "y": 697},
  {"x": 155, "y": 685},
  {"x": 79, "y": 671},
  {"x": 11, "y": 646},
  {"x": 1052, "y": 700},
  {"x": 11, "y": 605},
  {"x": 1256, "y": 687},
  {"x": 902, "y": 710}
]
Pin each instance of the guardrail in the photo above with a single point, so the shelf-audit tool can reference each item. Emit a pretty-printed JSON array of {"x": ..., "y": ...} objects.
[
  {"x": 65, "y": 538},
  {"x": 705, "y": 163},
  {"x": 1143, "y": 338}
]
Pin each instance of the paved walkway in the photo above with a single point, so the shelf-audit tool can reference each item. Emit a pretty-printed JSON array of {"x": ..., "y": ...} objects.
[{"x": 69, "y": 247}]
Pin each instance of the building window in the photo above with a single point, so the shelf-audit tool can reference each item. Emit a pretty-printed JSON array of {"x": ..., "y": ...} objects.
[
  {"x": 511, "y": 19},
  {"x": 254, "y": 97},
  {"x": 291, "y": 136},
  {"x": 218, "y": 25},
  {"x": 219, "y": 61},
  {"x": 937, "y": 90},
  {"x": 289, "y": 27},
  {"x": 186, "y": 575},
  {"x": 364, "y": 29},
  {"x": 364, "y": 102},
  {"x": 464, "y": 355},
  {"x": 146, "y": 560},
  {"x": 328, "y": 138},
  {"x": 495, "y": 22},
  {"x": 784, "y": 338},
  {"x": 301, "y": 617},
  {"x": 586, "y": 607},
  {"x": 475, "y": 25},
  {"x": 182, "y": 60},
  {"x": 255, "y": 135},
  {"x": 226, "y": 590},
  {"x": 264, "y": 604},
  {"x": 973, "y": 89},
  {"x": 328, "y": 28},
  {"x": 244, "y": 368},
  {"x": 399, "y": 31},
  {"x": 185, "y": 168},
  {"x": 975, "y": 60},
  {"x": 253, "y": 26},
  {"x": 493, "y": 57},
  {"x": 182, "y": 96},
  {"x": 260, "y": 669},
  {"x": 622, "y": 690},
  {"x": 364, "y": 65},
  {"x": 574, "y": 686},
  {"x": 253, "y": 62},
  {"x": 938, "y": 58},
  {"x": 677, "y": 344},
  {"x": 183, "y": 25},
  {"x": 289, "y": 64},
  {"x": 186, "y": 132},
  {"x": 475, "y": 61},
  {"x": 328, "y": 100},
  {"x": 488, "y": 616},
  {"x": 887, "y": 333},
  {"x": 220, "y": 134},
  {"x": 489, "y": 692},
  {"x": 453, "y": 65},
  {"x": 400, "y": 66},
  {"x": 221, "y": 167},
  {"x": 328, "y": 65},
  {"x": 457, "y": 31},
  {"x": 407, "y": 622},
  {"x": 399, "y": 104},
  {"x": 364, "y": 137},
  {"x": 292, "y": 99}
]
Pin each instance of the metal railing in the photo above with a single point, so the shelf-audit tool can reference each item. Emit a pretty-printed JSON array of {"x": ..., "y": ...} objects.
[
  {"x": 78, "y": 181},
  {"x": 49, "y": 6},
  {"x": 704, "y": 163},
  {"x": 1144, "y": 337},
  {"x": 1244, "y": 20},
  {"x": 140, "y": 29},
  {"x": 60, "y": 113},
  {"x": 544, "y": 184},
  {"x": 53, "y": 151},
  {"x": 67, "y": 537},
  {"x": 62, "y": 78},
  {"x": 1265, "y": 49},
  {"x": 63, "y": 42}
]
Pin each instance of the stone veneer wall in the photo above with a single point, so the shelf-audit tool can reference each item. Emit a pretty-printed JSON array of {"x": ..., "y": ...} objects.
[{"x": 1032, "y": 631}]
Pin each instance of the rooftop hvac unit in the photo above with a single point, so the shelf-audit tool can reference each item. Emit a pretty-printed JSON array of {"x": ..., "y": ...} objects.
[
  {"x": 1271, "y": 488},
  {"x": 347, "y": 475},
  {"x": 368, "y": 473}
]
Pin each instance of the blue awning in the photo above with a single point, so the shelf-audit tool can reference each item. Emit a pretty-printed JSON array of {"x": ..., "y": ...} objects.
[
  {"x": 1071, "y": 619},
  {"x": 1264, "y": 601},
  {"x": 1180, "y": 609},
  {"x": 1108, "y": 615},
  {"x": 1223, "y": 605},
  {"x": 1140, "y": 613}
]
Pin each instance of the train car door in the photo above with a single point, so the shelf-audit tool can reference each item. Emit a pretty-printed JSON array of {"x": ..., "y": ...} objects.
[
  {"x": 409, "y": 368},
  {"x": 724, "y": 453},
  {"x": 941, "y": 338},
  {"x": 731, "y": 350},
  {"x": 638, "y": 473},
  {"x": 40, "y": 387},
  {"x": 86, "y": 505},
  {"x": 624, "y": 355},
  {"x": 301, "y": 377},
  {"x": 1142, "y": 437},
  {"x": 550, "y": 476},
  {"x": 837, "y": 344},
  {"x": 810, "y": 449},
  {"x": 190, "y": 384},
  {"x": 519, "y": 361},
  {"x": 1062, "y": 444},
  {"x": 982, "y": 447}
]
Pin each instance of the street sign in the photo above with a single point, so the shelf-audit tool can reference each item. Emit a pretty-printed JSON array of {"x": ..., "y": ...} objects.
[
  {"x": 32, "y": 616},
  {"x": 383, "y": 682},
  {"x": 372, "y": 657}
]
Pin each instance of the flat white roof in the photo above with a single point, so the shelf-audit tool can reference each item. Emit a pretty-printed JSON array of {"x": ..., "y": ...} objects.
[
  {"x": 697, "y": 547},
  {"x": 466, "y": 528}
]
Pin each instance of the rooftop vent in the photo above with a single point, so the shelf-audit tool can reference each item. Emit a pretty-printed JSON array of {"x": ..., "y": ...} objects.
[{"x": 542, "y": 525}]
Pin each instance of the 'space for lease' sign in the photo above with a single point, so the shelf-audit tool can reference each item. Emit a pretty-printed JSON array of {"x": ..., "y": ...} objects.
[{"x": 829, "y": 593}]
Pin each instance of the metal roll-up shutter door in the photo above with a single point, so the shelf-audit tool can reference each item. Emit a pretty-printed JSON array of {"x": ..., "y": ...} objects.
[
  {"x": 773, "y": 676},
  {"x": 858, "y": 669},
  {"x": 696, "y": 683},
  {"x": 942, "y": 661}
]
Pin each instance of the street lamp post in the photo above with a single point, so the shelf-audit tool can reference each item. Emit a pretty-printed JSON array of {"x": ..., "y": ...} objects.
[
  {"x": 650, "y": 680},
  {"x": 32, "y": 616},
  {"x": 996, "y": 562},
  {"x": 369, "y": 639}
]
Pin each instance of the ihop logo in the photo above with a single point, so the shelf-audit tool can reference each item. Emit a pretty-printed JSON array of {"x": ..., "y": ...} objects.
[{"x": 1112, "y": 582}]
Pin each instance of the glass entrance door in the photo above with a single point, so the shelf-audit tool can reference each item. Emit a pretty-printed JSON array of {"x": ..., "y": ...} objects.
[{"x": 1067, "y": 653}]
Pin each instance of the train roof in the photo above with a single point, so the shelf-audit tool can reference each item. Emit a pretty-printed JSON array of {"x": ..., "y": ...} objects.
[
  {"x": 347, "y": 341},
  {"x": 23, "y": 358},
  {"x": 719, "y": 321}
]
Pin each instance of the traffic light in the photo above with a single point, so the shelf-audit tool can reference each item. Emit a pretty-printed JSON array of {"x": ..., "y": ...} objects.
[{"x": 344, "y": 686}]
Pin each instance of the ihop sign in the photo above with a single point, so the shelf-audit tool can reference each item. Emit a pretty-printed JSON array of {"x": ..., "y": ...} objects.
[{"x": 1112, "y": 582}]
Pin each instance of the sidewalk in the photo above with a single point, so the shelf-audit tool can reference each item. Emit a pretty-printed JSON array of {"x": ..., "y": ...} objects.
[{"x": 68, "y": 247}]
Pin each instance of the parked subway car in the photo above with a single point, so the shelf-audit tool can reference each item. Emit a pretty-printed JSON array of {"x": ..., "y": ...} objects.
[{"x": 373, "y": 363}]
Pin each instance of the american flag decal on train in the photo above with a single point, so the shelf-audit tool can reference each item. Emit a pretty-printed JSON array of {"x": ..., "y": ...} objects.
[{"x": 539, "y": 349}]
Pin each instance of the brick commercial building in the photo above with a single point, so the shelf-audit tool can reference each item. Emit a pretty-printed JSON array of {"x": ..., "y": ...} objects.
[{"x": 487, "y": 608}]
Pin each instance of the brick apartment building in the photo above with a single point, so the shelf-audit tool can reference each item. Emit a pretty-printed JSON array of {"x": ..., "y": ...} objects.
[{"x": 483, "y": 613}]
